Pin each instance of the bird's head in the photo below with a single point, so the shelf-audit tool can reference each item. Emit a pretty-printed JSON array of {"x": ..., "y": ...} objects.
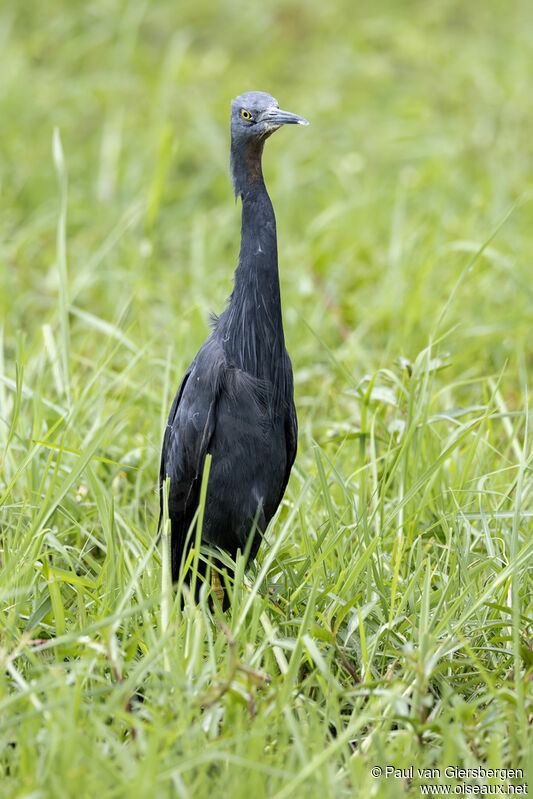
[{"x": 256, "y": 115}]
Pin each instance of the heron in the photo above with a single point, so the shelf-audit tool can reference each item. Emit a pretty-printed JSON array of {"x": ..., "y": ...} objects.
[{"x": 236, "y": 399}]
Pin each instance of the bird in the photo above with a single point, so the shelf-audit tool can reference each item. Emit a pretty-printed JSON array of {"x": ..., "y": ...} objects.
[{"x": 236, "y": 399}]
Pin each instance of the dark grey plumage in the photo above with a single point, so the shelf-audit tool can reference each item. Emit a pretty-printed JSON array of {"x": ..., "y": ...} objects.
[{"x": 236, "y": 398}]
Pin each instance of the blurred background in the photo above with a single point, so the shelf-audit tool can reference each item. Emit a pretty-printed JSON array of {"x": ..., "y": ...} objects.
[{"x": 419, "y": 145}]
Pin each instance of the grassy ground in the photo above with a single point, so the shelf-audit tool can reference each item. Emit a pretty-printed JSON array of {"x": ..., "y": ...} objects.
[{"x": 391, "y": 604}]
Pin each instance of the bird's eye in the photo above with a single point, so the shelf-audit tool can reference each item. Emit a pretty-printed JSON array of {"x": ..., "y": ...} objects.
[{"x": 245, "y": 114}]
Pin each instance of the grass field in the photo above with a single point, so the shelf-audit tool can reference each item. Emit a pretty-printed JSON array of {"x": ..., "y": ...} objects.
[{"x": 388, "y": 617}]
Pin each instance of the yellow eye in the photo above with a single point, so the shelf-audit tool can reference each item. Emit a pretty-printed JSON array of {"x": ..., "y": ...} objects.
[{"x": 245, "y": 114}]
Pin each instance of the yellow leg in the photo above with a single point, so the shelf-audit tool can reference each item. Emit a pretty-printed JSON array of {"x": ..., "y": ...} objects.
[{"x": 217, "y": 587}]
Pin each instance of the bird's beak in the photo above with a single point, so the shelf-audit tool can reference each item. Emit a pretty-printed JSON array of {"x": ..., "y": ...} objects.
[{"x": 275, "y": 118}]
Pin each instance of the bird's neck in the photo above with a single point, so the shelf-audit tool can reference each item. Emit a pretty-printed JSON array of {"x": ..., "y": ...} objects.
[
  {"x": 246, "y": 166},
  {"x": 253, "y": 324}
]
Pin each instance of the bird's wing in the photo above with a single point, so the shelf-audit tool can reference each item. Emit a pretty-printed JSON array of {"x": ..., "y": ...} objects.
[
  {"x": 189, "y": 431},
  {"x": 291, "y": 443},
  {"x": 291, "y": 436},
  {"x": 167, "y": 438}
]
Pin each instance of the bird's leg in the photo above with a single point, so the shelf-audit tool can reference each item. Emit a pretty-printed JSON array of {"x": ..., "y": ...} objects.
[{"x": 217, "y": 587}]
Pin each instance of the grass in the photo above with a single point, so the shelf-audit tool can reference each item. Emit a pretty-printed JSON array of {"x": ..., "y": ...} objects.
[{"x": 388, "y": 617}]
